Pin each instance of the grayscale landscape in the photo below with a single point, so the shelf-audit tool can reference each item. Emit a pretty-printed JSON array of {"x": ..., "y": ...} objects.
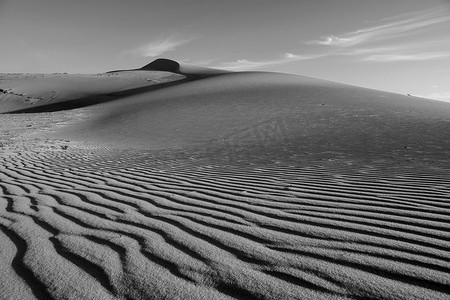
[{"x": 185, "y": 180}]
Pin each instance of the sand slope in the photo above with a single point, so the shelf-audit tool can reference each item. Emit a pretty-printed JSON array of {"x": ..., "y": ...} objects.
[
  {"x": 46, "y": 92},
  {"x": 271, "y": 115},
  {"x": 235, "y": 186}
]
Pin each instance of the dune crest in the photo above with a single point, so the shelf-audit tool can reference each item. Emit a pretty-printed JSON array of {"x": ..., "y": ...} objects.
[{"x": 186, "y": 69}]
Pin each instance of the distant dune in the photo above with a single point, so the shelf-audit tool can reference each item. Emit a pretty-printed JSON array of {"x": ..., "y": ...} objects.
[
  {"x": 46, "y": 92},
  {"x": 49, "y": 92},
  {"x": 180, "y": 182},
  {"x": 189, "y": 70}
]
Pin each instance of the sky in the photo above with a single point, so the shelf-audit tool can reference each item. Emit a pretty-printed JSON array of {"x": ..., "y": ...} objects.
[{"x": 401, "y": 46}]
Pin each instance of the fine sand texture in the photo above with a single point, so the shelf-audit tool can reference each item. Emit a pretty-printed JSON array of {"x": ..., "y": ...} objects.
[{"x": 178, "y": 182}]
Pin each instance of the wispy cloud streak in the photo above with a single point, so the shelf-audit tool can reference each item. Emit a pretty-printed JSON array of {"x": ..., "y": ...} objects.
[
  {"x": 244, "y": 64},
  {"x": 407, "y": 57},
  {"x": 160, "y": 46},
  {"x": 385, "y": 42},
  {"x": 396, "y": 27}
]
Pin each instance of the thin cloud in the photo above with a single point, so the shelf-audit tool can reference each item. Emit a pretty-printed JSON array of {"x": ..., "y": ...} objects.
[
  {"x": 333, "y": 40},
  {"x": 406, "y": 57},
  {"x": 371, "y": 44},
  {"x": 158, "y": 47},
  {"x": 291, "y": 55},
  {"x": 377, "y": 43},
  {"x": 247, "y": 65},
  {"x": 397, "y": 26},
  {"x": 369, "y": 50}
]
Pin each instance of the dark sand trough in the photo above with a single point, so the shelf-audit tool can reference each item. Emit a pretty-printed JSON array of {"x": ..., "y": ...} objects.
[{"x": 189, "y": 183}]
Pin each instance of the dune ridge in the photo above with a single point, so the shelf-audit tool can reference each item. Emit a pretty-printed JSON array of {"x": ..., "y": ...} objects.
[{"x": 185, "y": 69}]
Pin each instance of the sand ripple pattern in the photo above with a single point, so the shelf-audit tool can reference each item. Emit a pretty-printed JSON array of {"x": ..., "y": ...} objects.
[{"x": 127, "y": 225}]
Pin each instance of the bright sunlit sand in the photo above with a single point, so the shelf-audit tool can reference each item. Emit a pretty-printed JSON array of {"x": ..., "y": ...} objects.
[{"x": 180, "y": 182}]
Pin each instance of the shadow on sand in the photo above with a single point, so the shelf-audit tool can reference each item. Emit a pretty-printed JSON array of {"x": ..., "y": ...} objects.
[{"x": 97, "y": 99}]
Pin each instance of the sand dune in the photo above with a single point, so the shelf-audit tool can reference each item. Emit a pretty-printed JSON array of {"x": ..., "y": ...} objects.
[
  {"x": 46, "y": 92},
  {"x": 185, "y": 69},
  {"x": 270, "y": 116},
  {"x": 22, "y": 93},
  {"x": 234, "y": 186}
]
